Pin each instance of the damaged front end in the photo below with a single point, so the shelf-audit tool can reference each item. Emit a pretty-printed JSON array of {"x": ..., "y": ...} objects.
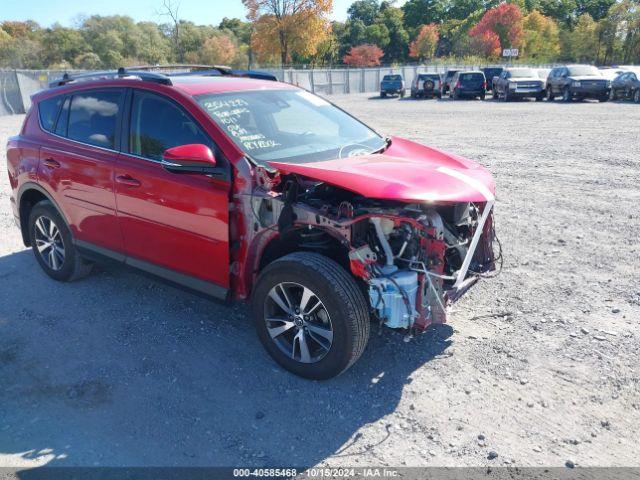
[{"x": 413, "y": 258}]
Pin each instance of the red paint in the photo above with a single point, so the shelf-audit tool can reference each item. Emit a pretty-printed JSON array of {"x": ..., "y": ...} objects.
[
  {"x": 196, "y": 224},
  {"x": 194, "y": 153},
  {"x": 406, "y": 171}
]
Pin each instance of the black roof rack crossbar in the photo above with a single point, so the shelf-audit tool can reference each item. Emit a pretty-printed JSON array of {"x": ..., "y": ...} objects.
[
  {"x": 184, "y": 70},
  {"x": 110, "y": 74}
]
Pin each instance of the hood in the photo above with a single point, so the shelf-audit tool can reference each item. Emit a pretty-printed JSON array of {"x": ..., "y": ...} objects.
[
  {"x": 407, "y": 172},
  {"x": 525, "y": 79},
  {"x": 581, "y": 78}
]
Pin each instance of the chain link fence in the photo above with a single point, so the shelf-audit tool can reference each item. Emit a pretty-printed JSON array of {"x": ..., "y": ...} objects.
[{"x": 17, "y": 86}]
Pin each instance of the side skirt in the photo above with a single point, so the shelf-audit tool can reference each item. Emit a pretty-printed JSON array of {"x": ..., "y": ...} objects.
[{"x": 100, "y": 254}]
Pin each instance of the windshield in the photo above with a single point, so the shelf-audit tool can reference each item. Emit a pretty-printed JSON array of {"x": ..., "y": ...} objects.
[
  {"x": 292, "y": 126},
  {"x": 522, "y": 73},
  {"x": 392, "y": 78},
  {"x": 584, "y": 71}
]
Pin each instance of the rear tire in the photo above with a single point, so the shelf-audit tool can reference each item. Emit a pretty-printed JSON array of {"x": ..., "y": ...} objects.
[
  {"x": 550, "y": 95},
  {"x": 345, "y": 313},
  {"x": 383, "y": 95},
  {"x": 495, "y": 94},
  {"x": 53, "y": 246}
]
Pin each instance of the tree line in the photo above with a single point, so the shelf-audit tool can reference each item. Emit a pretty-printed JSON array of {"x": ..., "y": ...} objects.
[{"x": 299, "y": 32}]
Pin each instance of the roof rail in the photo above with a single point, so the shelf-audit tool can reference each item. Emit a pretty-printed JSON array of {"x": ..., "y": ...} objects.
[
  {"x": 120, "y": 73},
  {"x": 183, "y": 70}
]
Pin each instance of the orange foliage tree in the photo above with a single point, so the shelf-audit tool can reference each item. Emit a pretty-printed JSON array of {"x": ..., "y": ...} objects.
[
  {"x": 219, "y": 49},
  {"x": 283, "y": 28},
  {"x": 500, "y": 27},
  {"x": 363, "y": 56},
  {"x": 424, "y": 46}
]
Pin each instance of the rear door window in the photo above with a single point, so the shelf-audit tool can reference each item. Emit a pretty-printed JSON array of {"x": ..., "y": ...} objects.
[
  {"x": 93, "y": 117},
  {"x": 48, "y": 110}
]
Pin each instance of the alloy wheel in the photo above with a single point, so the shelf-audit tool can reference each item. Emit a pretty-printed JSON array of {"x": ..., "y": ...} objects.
[
  {"x": 49, "y": 242},
  {"x": 298, "y": 322}
]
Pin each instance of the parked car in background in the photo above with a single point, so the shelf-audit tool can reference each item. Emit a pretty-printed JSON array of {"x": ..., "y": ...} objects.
[
  {"x": 446, "y": 81},
  {"x": 577, "y": 82},
  {"x": 471, "y": 84},
  {"x": 392, "y": 85},
  {"x": 490, "y": 73},
  {"x": 426, "y": 85},
  {"x": 517, "y": 83},
  {"x": 626, "y": 86}
]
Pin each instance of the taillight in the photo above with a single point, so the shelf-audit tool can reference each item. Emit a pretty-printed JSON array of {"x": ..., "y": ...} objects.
[
  {"x": 458, "y": 85},
  {"x": 484, "y": 85}
]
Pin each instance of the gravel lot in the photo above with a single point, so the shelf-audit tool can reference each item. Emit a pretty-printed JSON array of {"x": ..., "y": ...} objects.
[{"x": 539, "y": 365}]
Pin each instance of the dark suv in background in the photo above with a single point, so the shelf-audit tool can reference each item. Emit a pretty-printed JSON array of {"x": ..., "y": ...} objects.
[
  {"x": 626, "y": 86},
  {"x": 468, "y": 85},
  {"x": 392, "y": 85},
  {"x": 577, "y": 82}
]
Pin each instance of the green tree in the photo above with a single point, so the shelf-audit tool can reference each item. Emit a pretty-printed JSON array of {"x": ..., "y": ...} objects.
[
  {"x": 423, "y": 12},
  {"x": 581, "y": 44},
  {"x": 541, "y": 37},
  {"x": 364, "y": 10},
  {"x": 393, "y": 19}
]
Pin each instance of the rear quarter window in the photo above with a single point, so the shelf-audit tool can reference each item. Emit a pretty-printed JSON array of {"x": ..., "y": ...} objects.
[{"x": 48, "y": 111}]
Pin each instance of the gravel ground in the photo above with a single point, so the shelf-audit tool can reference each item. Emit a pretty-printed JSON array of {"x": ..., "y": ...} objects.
[{"x": 539, "y": 365}]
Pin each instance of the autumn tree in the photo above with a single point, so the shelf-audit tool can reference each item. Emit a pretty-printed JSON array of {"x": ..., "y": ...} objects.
[
  {"x": 500, "y": 27},
  {"x": 283, "y": 28},
  {"x": 363, "y": 56},
  {"x": 541, "y": 37},
  {"x": 218, "y": 50},
  {"x": 424, "y": 46}
]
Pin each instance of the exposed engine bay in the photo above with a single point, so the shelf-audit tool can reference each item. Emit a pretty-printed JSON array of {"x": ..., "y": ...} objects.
[{"x": 413, "y": 259}]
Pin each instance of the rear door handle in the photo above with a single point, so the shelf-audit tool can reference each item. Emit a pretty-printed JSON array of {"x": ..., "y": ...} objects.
[
  {"x": 51, "y": 163},
  {"x": 128, "y": 181}
]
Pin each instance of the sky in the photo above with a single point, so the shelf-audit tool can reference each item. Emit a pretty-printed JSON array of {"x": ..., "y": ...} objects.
[{"x": 201, "y": 12}]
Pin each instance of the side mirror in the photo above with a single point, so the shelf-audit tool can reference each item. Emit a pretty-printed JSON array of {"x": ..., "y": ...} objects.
[{"x": 192, "y": 158}]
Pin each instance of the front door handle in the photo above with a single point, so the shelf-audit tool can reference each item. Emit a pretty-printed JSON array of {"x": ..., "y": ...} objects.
[
  {"x": 51, "y": 163},
  {"x": 128, "y": 181}
]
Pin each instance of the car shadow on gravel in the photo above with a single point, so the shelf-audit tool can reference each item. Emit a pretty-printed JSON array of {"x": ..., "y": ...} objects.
[{"x": 119, "y": 370}]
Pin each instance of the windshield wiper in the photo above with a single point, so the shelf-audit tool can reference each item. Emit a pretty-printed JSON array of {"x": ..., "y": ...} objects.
[{"x": 387, "y": 144}]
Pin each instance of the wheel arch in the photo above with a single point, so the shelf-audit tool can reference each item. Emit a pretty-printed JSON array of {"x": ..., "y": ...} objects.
[
  {"x": 29, "y": 195},
  {"x": 265, "y": 251}
]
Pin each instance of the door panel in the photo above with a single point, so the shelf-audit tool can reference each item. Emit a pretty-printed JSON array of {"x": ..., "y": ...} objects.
[
  {"x": 177, "y": 221},
  {"x": 79, "y": 171},
  {"x": 82, "y": 180}
]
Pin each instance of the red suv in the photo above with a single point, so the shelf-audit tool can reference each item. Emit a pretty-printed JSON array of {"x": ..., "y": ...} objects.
[{"x": 240, "y": 188}]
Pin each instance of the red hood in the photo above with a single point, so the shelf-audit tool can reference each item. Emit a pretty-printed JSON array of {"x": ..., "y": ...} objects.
[{"x": 407, "y": 171}]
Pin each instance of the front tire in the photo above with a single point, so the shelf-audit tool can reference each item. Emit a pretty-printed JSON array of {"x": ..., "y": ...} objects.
[
  {"x": 636, "y": 96},
  {"x": 310, "y": 315},
  {"x": 53, "y": 246},
  {"x": 566, "y": 95}
]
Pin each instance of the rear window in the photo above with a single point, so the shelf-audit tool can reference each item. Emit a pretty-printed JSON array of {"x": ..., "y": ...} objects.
[
  {"x": 93, "y": 117},
  {"x": 430, "y": 77},
  {"x": 48, "y": 110},
  {"x": 392, "y": 78},
  {"x": 471, "y": 77}
]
